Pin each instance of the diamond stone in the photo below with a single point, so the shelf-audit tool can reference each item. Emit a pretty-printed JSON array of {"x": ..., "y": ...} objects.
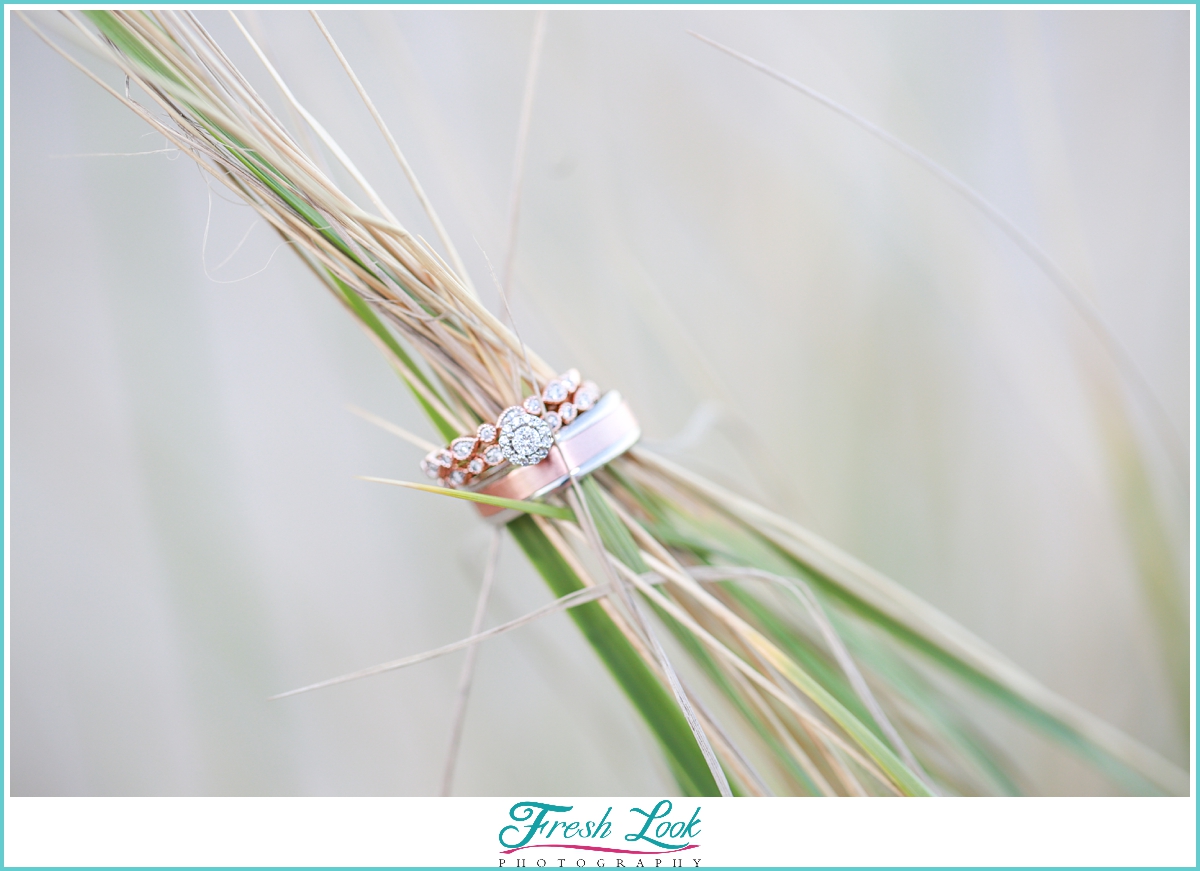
[
  {"x": 476, "y": 465},
  {"x": 444, "y": 458},
  {"x": 509, "y": 415},
  {"x": 571, "y": 379},
  {"x": 462, "y": 447},
  {"x": 458, "y": 477},
  {"x": 552, "y": 418},
  {"x": 486, "y": 433},
  {"x": 567, "y": 412},
  {"x": 526, "y": 440},
  {"x": 430, "y": 467},
  {"x": 494, "y": 455},
  {"x": 586, "y": 396},
  {"x": 555, "y": 393},
  {"x": 534, "y": 405}
]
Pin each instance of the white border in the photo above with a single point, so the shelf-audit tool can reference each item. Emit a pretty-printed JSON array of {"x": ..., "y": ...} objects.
[{"x": 733, "y": 832}]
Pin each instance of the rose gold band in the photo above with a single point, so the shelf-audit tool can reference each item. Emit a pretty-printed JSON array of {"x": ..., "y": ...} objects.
[{"x": 601, "y": 435}]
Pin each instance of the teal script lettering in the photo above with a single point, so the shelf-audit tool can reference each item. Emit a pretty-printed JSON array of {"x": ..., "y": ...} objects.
[
  {"x": 658, "y": 826},
  {"x": 524, "y": 811}
]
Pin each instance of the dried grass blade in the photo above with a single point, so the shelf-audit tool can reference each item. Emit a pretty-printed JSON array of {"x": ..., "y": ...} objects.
[
  {"x": 395, "y": 430},
  {"x": 555, "y": 511},
  {"x": 426, "y": 204},
  {"x": 588, "y": 501},
  {"x": 468, "y": 670},
  {"x": 922, "y": 626},
  {"x": 837, "y": 647},
  {"x": 571, "y": 600}
]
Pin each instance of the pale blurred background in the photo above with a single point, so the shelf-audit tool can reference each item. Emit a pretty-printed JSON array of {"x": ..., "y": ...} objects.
[{"x": 188, "y": 536}]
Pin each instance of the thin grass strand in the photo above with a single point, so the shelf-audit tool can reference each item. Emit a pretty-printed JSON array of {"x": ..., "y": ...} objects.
[
  {"x": 468, "y": 670},
  {"x": 1083, "y": 306}
]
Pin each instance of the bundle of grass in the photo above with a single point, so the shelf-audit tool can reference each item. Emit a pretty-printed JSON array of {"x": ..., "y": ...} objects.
[{"x": 763, "y": 659}]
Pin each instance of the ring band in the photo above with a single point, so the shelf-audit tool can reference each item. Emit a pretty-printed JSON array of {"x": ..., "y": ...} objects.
[{"x": 600, "y": 436}]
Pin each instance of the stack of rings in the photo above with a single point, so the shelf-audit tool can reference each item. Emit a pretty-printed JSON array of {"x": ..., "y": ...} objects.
[{"x": 536, "y": 447}]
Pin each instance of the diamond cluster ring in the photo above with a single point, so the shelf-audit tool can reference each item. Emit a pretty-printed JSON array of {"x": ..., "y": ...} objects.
[
  {"x": 596, "y": 438},
  {"x": 521, "y": 436}
]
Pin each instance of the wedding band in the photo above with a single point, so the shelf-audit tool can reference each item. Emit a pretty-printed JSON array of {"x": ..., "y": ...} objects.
[{"x": 598, "y": 437}]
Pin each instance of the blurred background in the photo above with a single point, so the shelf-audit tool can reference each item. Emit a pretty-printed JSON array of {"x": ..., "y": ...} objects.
[{"x": 793, "y": 308}]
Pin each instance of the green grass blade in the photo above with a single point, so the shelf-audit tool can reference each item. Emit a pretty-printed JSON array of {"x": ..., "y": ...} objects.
[
  {"x": 872, "y": 597},
  {"x": 653, "y": 701},
  {"x": 363, "y": 312},
  {"x": 555, "y": 511},
  {"x": 984, "y": 684},
  {"x": 617, "y": 539},
  {"x": 129, "y": 43}
]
